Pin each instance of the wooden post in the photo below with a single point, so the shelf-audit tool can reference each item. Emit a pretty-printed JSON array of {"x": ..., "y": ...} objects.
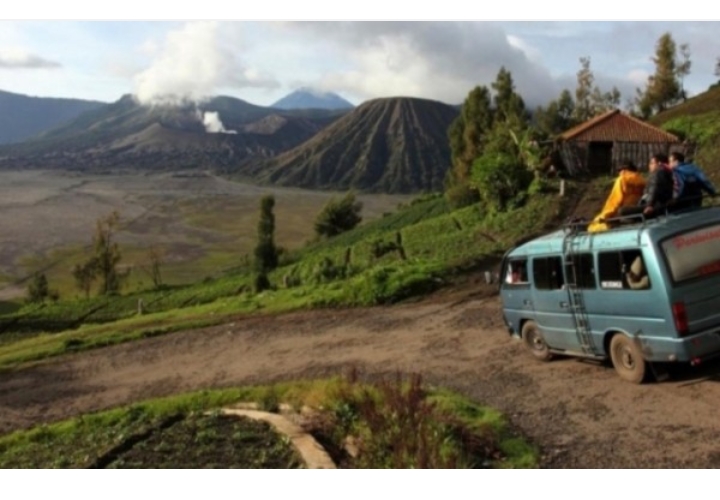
[
  {"x": 140, "y": 306},
  {"x": 562, "y": 187}
]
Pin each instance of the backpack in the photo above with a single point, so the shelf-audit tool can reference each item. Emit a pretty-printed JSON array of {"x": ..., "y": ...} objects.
[{"x": 687, "y": 188}]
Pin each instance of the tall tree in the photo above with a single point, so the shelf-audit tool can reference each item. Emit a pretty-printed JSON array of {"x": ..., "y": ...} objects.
[
  {"x": 266, "y": 258},
  {"x": 664, "y": 88},
  {"x": 509, "y": 106},
  {"x": 585, "y": 80},
  {"x": 557, "y": 117},
  {"x": 107, "y": 253},
  {"x": 38, "y": 289},
  {"x": 467, "y": 132}
]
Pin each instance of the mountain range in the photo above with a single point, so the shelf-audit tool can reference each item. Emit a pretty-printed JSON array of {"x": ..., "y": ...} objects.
[
  {"x": 22, "y": 116},
  {"x": 395, "y": 145}
]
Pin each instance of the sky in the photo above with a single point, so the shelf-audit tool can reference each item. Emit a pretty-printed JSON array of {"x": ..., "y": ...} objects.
[{"x": 373, "y": 51}]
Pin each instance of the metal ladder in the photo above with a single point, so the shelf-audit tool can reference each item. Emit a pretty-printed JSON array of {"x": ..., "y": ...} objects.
[{"x": 575, "y": 294}]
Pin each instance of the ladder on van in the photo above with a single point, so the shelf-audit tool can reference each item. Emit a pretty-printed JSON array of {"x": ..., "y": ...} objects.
[{"x": 575, "y": 293}]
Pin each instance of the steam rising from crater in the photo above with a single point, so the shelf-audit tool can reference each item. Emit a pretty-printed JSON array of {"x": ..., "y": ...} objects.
[
  {"x": 194, "y": 63},
  {"x": 213, "y": 124}
]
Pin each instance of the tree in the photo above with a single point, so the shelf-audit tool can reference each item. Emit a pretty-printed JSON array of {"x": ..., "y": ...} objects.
[
  {"x": 664, "y": 88},
  {"x": 509, "y": 106},
  {"x": 585, "y": 79},
  {"x": 338, "y": 216},
  {"x": 154, "y": 261},
  {"x": 557, "y": 117},
  {"x": 266, "y": 258},
  {"x": 467, "y": 133},
  {"x": 38, "y": 289},
  {"x": 85, "y": 275},
  {"x": 107, "y": 254}
]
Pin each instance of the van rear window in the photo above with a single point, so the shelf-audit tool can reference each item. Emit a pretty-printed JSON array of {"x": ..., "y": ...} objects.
[{"x": 694, "y": 253}]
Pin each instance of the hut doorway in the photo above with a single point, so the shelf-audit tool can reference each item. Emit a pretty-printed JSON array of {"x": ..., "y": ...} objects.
[{"x": 600, "y": 157}]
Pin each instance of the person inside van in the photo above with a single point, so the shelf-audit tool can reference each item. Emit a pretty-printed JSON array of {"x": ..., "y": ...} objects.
[
  {"x": 637, "y": 277},
  {"x": 626, "y": 191},
  {"x": 658, "y": 190},
  {"x": 690, "y": 182}
]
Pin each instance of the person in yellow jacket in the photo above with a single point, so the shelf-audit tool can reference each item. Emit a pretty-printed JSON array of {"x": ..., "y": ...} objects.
[{"x": 627, "y": 191}]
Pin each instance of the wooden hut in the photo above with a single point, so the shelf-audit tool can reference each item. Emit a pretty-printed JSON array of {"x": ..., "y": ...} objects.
[{"x": 598, "y": 145}]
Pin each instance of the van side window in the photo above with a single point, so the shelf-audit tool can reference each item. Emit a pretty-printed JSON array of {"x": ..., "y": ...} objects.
[
  {"x": 547, "y": 273},
  {"x": 580, "y": 268},
  {"x": 623, "y": 270},
  {"x": 516, "y": 272}
]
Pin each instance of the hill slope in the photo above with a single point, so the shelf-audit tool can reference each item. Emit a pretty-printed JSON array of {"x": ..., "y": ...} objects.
[
  {"x": 393, "y": 145},
  {"x": 24, "y": 116},
  {"x": 698, "y": 119}
]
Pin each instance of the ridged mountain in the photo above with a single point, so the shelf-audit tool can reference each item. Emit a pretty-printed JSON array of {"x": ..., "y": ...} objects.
[
  {"x": 126, "y": 134},
  {"x": 22, "y": 116},
  {"x": 391, "y": 145},
  {"x": 311, "y": 99}
]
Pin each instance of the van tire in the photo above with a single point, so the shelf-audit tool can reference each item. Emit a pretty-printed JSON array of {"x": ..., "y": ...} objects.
[
  {"x": 535, "y": 342},
  {"x": 628, "y": 360}
]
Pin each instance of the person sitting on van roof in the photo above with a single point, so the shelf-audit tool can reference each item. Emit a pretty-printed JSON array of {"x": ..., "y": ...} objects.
[
  {"x": 626, "y": 191},
  {"x": 690, "y": 182},
  {"x": 637, "y": 278},
  {"x": 659, "y": 190}
]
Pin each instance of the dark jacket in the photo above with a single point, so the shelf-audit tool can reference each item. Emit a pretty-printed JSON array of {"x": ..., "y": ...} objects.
[
  {"x": 659, "y": 189},
  {"x": 690, "y": 182}
]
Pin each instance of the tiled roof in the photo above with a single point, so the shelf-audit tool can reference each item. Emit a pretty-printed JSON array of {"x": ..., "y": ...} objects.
[{"x": 615, "y": 126}]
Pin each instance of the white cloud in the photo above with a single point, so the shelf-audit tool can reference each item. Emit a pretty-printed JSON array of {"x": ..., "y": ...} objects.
[
  {"x": 530, "y": 52},
  {"x": 638, "y": 76},
  {"x": 434, "y": 60},
  {"x": 18, "y": 58},
  {"x": 193, "y": 63}
]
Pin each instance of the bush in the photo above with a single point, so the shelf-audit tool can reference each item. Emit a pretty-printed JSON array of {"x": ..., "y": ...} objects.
[
  {"x": 462, "y": 195},
  {"x": 501, "y": 180},
  {"x": 338, "y": 216}
]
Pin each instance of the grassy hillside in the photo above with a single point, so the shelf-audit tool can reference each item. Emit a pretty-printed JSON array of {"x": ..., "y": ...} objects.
[
  {"x": 698, "y": 119},
  {"x": 413, "y": 251}
]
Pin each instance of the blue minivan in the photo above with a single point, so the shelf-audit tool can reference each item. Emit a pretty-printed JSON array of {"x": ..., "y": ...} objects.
[{"x": 642, "y": 294}]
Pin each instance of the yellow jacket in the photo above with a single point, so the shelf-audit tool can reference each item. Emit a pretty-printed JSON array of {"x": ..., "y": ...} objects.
[{"x": 627, "y": 191}]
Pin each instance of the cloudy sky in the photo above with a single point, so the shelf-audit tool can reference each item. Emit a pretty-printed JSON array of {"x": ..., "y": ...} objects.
[{"x": 261, "y": 61}]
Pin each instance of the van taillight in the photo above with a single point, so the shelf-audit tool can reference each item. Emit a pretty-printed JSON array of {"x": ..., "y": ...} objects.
[{"x": 680, "y": 317}]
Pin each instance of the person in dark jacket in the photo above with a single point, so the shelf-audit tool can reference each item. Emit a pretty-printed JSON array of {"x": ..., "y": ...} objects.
[
  {"x": 658, "y": 192},
  {"x": 690, "y": 182}
]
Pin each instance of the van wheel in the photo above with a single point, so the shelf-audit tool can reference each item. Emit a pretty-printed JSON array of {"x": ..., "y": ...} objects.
[
  {"x": 535, "y": 342},
  {"x": 627, "y": 359}
]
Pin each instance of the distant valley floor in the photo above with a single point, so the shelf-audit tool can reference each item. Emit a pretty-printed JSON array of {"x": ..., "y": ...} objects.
[{"x": 202, "y": 223}]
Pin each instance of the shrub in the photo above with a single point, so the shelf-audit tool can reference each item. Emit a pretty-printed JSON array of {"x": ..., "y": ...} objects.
[
  {"x": 338, "y": 216},
  {"x": 462, "y": 195},
  {"x": 501, "y": 180}
]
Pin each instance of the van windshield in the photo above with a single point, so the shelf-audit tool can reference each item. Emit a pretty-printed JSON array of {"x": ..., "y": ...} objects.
[{"x": 694, "y": 253}]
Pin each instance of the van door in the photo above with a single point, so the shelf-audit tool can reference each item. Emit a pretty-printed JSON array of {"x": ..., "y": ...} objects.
[
  {"x": 515, "y": 292},
  {"x": 552, "y": 306}
]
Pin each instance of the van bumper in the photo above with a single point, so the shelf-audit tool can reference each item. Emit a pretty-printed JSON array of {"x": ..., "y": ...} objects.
[{"x": 693, "y": 349}]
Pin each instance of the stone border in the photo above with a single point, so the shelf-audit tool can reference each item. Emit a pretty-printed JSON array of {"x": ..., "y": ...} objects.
[{"x": 314, "y": 455}]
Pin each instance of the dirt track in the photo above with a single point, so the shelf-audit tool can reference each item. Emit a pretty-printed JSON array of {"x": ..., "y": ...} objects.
[{"x": 580, "y": 413}]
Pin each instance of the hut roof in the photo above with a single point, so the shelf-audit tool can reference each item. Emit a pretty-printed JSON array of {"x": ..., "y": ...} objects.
[{"x": 615, "y": 126}]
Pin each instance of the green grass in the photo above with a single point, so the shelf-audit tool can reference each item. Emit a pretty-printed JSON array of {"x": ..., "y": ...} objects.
[
  {"x": 170, "y": 429},
  {"x": 340, "y": 272}
]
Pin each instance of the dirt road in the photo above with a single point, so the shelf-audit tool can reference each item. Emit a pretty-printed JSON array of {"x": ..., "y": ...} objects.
[{"x": 580, "y": 413}]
